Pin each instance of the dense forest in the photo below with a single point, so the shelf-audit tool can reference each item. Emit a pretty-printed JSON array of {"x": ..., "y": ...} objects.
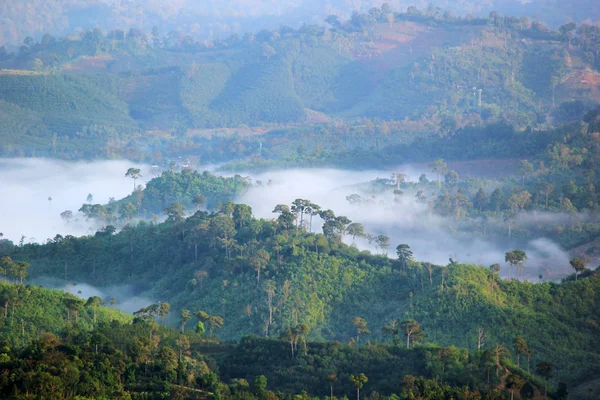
[
  {"x": 240, "y": 276},
  {"x": 92, "y": 351},
  {"x": 476, "y": 278}
]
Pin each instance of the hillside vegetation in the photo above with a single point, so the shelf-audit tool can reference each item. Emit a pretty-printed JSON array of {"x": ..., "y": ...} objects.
[
  {"x": 262, "y": 277},
  {"x": 419, "y": 72}
]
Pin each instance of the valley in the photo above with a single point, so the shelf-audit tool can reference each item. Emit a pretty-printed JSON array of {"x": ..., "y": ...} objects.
[{"x": 299, "y": 201}]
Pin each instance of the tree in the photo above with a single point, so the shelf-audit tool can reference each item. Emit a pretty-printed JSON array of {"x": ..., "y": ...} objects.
[
  {"x": 405, "y": 255},
  {"x": 578, "y": 265},
  {"x": 521, "y": 348},
  {"x": 355, "y": 229},
  {"x": 497, "y": 200},
  {"x": 451, "y": 178},
  {"x": 202, "y": 316},
  {"x": 331, "y": 378},
  {"x": 94, "y": 302},
  {"x": 413, "y": 331},
  {"x": 499, "y": 353},
  {"x": 289, "y": 335},
  {"x": 260, "y": 385},
  {"x": 199, "y": 328},
  {"x": 259, "y": 261},
  {"x": 361, "y": 327},
  {"x": 392, "y": 329},
  {"x": 546, "y": 189},
  {"x": 301, "y": 331},
  {"x": 495, "y": 269},
  {"x": 519, "y": 200},
  {"x": 214, "y": 322},
  {"x": 514, "y": 383},
  {"x": 175, "y": 213},
  {"x": 6, "y": 266},
  {"x": 199, "y": 201},
  {"x": 221, "y": 230},
  {"x": 299, "y": 207},
  {"x": 183, "y": 345},
  {"x": 480, "y": 337},
  {"x": 20, "y": 270},
  {"x": 358, "y": 381},
  {"x": 383, "y": 242},
  {"x": 67, "y": 215},
  {"x": 200, "y": 276},
  {"x": 481, "y": 200},
  {"x": 185, "y": 317},
  {"x": 73, "y": 305},
  {"x": 270, "y": 288},
  {"x": 398, "y": 178},
  {"x": 429, "y": 267},
  {"x": 241, "y": 214},
  {"x": 312, "y": 209},
  {"x": 163, "y": 310},
  {"x": 440, "y": 168},
  {"x": 524, "y": 169},
  {"x": 544, "y": 369},
  {"x": 567, "y": 31},
  {"x": 528, "y": 356},
  {"x": 333, "y": 21},
  {"x": 515, "y": 258},
  {"x": 135, "y": 174}
]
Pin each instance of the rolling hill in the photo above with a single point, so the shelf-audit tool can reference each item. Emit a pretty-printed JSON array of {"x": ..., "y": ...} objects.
[{"x": 439, "y": 73}]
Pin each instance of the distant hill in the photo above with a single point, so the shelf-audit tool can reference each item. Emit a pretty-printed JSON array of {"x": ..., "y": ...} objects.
[
  {"x": 208, "y": 20},
  {"x": 442, "y": 72}
]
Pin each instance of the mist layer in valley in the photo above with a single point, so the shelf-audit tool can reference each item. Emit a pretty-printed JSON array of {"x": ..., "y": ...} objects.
[
  {"x": 122, "y": 297},
  {"x": 403, "y": 219},
  {"x": 36, "y": 191},
  {"x": 29, "y": 184}
]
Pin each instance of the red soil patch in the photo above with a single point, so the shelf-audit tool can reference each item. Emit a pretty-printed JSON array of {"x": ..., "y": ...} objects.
[{"x": 583, "y": 84}]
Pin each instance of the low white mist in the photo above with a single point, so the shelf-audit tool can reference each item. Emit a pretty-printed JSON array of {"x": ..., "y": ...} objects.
[
  {"x": 28, "y": 183},
  {"x": 125, "y": 298},
  {"x": 404, "y": 221}
]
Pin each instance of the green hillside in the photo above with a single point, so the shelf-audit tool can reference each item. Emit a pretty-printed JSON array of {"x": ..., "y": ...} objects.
[
  {"x": 44, "y": 355},
  {"x": 29, "y": 311},
  {"x": 264, "y": 276},
  {"x": 432, "y": 73}
]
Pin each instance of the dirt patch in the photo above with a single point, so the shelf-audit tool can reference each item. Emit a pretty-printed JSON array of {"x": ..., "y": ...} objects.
[
  {"x": 582, "y": 84},
  {"x": 89, "y": 63}
]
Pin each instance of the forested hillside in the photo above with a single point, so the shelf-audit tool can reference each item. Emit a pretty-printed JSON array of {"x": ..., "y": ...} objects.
[
  {"x": 392, "y": 75},
  {"x": 88, "y": 351},
  {"x": 253, "y": 276}
]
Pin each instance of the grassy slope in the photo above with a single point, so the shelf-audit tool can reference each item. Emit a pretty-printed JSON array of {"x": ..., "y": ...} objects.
[{"x": 34, "y": 310}]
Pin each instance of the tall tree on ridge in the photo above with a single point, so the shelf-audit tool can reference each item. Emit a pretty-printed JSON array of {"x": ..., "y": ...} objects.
[{"x": 135, "y": 174}]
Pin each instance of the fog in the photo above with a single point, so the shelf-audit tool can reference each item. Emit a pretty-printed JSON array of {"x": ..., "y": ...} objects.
[
  {"x": 125, "y": 298},
  {"x": 26, "y": 210},
  {"x": 404, "y": 221},
  {"x": 28, "y": 183}
]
